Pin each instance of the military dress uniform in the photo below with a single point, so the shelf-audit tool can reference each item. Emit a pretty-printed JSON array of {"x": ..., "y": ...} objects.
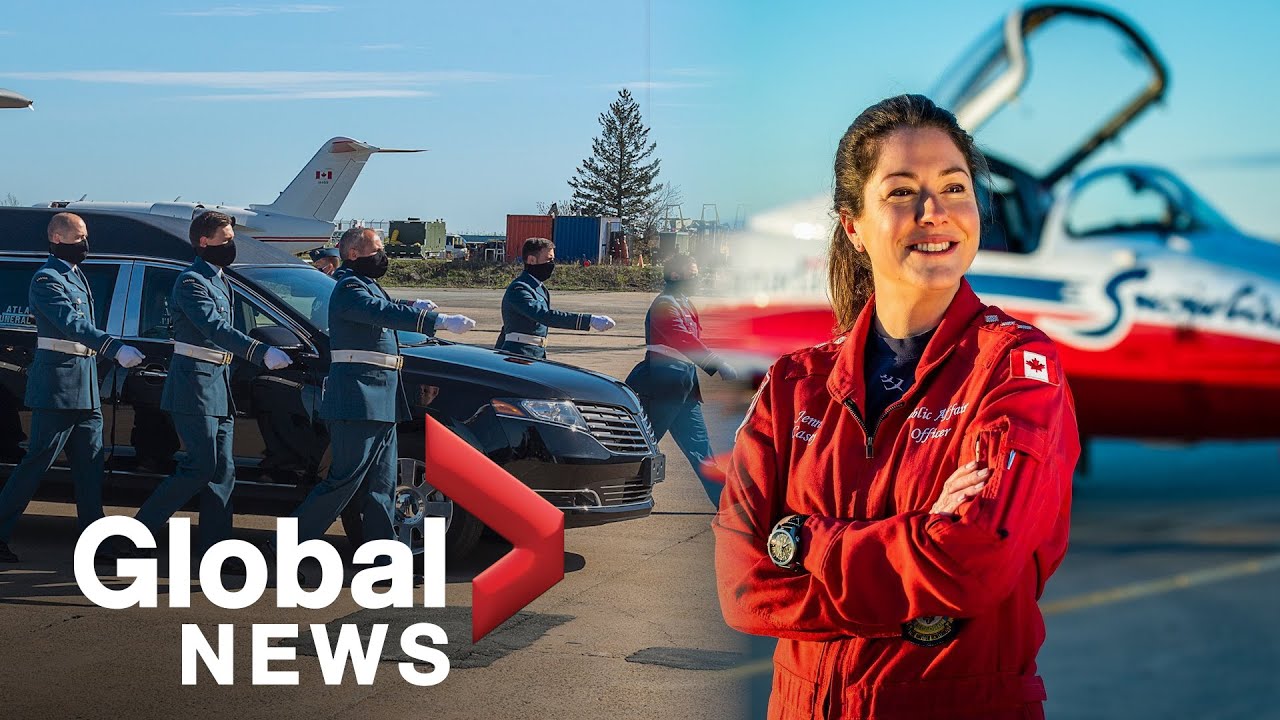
[
  {"x": 527, "y": 315},
  {"x": 62, "y": 392},
  {"x": 666, "y": 380},
  {"x": 363, "y": 400},
  {"x": 197, "y": 395}
]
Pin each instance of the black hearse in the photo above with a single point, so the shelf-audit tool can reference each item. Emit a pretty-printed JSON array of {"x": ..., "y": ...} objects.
[{"x": 577, "y": 438}]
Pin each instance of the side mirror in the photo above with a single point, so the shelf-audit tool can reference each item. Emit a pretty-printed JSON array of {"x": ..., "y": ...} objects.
[{"x": 277, "y": 336}]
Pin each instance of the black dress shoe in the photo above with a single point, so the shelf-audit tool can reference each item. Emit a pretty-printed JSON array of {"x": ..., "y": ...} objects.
[{"x": 7, "y": 555}]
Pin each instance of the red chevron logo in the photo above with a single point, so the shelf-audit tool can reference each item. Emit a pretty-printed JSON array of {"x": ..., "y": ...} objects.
[{"x": 531, "y": 524}]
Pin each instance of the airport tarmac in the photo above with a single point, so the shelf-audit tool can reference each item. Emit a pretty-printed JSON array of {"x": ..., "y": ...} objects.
[{"x": 1163, "y": 608}]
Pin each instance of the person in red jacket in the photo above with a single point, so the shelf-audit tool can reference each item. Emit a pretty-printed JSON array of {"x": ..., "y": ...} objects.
[
  {"x": 666, "y": 380},
  {"x": 898, "y": 497}
]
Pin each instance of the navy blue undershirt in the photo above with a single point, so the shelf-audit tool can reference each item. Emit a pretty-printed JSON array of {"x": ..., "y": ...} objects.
[{"x": 890, "y": 370}]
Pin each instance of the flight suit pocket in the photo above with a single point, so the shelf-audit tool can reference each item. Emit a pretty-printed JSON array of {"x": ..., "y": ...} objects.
[{"x": 1013, "y": 451}]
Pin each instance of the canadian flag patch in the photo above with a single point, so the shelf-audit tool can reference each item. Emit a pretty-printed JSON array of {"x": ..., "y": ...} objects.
[{"x": 1034, "y": 366}]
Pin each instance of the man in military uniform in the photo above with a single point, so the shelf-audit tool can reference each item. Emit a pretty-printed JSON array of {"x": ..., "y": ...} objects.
[
  {"x": 62, "y": 387},
  {"x": 666, "y": 380},
  {"x": 325, "y": 259},
  {"x": 526, "y": 306},
  {"x": 364, "y": 397},
  {"x": 197, "y": 391}
]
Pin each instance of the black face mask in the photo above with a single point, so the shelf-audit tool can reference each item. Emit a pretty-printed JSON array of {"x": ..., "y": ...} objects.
[
  {"x": 683, "y": 287},
  {"x": 541, "y": 271},
  {"x": 220, "y": 255},
  {"x": 371, "y": 266},
  {"x": 74, "y": 253}
]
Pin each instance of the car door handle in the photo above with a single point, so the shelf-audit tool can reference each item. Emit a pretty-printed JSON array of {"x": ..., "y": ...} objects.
[{"x": 152, "y": 372}]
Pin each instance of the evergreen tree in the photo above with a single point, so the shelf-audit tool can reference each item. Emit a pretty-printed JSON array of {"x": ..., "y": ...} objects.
[{"x": 617, "y": 181}]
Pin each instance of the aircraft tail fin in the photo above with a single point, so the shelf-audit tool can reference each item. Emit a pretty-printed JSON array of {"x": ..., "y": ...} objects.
[{"x": 323, "y": 185}]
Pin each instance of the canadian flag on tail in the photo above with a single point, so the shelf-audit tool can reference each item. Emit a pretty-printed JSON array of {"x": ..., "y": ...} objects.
[{"x": 1034, "y": 366}]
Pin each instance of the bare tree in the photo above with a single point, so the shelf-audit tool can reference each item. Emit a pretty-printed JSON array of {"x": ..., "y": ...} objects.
[
  {"x": 10, "y": 200},
  {"x": 668, "y": 196},
  {"x": 561, "y": 207}
]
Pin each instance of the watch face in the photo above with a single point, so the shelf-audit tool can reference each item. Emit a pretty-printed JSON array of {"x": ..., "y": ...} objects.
[{"x": 782, "y": 548}]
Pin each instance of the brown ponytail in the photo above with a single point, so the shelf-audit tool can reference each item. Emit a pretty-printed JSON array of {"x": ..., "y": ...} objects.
[{"x": 848, "y": 279}]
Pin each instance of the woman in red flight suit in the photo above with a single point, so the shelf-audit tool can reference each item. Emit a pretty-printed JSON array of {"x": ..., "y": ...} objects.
[{"x": 898, "y": 496}]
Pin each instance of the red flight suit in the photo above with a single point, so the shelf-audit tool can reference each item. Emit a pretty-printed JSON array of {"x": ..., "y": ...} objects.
[{"x": 988, "y": 387}]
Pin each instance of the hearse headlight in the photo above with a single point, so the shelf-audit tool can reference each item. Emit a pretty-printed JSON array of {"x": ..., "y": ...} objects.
[{"x": 559, "y": 412}]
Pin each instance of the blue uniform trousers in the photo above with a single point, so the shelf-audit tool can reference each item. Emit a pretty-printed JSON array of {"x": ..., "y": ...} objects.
[
  {"x": 208, "y": 469},
  {"x": 668, "y": 393},
  {"x": 80, "y": 433},
  {"x": 363, "y": 451},
  {"x": 536, "y": 352}
]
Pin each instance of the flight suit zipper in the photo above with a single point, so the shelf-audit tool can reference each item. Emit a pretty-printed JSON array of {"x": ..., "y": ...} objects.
[{"x": 870, "y": 434}]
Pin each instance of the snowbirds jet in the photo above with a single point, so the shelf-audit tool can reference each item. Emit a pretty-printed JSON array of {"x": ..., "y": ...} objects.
[
  {"x": 1166, "y": 316},
  {"x": 300, "y": 219}
]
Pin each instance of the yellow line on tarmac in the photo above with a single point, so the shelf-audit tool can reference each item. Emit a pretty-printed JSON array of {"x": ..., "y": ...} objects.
[
  {"x": 1104, "y": 597},
  {"x": 759, "y": 667},
  {"x": 1163, "y": 585}
]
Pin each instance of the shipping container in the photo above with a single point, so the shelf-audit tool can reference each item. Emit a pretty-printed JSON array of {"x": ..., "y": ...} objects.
[
  {"x": 577, "y": 239},
  {"x": 523, "y": 227}
]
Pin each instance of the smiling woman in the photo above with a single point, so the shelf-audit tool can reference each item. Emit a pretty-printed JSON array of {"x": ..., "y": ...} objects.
[
  {"x": 901, "y": 577},
  {"x": 879, "y": 194}
]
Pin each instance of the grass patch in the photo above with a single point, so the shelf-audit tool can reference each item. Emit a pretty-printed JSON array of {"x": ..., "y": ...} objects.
[{"x": 459, "y": 274}]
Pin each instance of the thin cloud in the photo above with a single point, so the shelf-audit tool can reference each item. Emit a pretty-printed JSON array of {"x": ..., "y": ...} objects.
[
  {"x": 6, "y": 33},
  {"x": 255, "y": 10},
  {"x": 694, "y": 72},
  {"x": 311, "y": 95},
  {"x": 262, "y": 79},
  {"x": 383, "y": 46},
  {"x": 276, "y": 84},
  {"x": 655, "y": 85}
]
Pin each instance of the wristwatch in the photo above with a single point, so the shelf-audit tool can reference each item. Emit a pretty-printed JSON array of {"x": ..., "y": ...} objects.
[{"x": 784, "y": 542}]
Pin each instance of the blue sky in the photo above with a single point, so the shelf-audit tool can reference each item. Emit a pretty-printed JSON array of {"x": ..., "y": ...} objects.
[{"x": 224, "y": 102}]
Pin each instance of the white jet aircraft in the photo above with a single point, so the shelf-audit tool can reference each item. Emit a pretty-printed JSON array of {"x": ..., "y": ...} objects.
[{"x": 300, "y": 219}]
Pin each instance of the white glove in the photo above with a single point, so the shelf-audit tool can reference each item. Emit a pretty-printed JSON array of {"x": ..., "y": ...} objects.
[
  {"x": 455, "y": 323},
  {"x": 276, "y": 359},
  {"x": 600, "y": 323},
  {"x": 727, "y": 372},
  {"x": 424, "y": 305},
  {"x": 128, "y": 356}
]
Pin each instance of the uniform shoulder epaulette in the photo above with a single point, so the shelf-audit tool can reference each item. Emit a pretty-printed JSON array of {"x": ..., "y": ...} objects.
[
  {"x": 996, "y": 320},
  {"x": 815, "y": 360}
]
